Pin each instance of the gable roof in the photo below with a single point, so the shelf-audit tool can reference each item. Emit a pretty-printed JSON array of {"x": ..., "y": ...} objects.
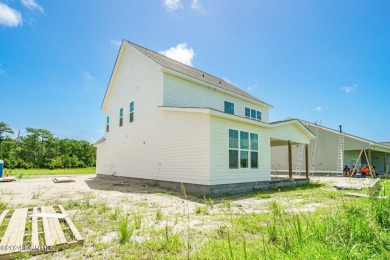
[
  {"x": 194, "y": 73},
  {"x": 370, "y": 142}
]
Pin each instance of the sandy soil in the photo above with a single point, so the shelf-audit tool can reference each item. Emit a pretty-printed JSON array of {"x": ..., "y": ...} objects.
[{"x": 43, "y": 191}]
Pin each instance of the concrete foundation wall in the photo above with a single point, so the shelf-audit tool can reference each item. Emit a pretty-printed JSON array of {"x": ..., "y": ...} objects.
[{"x": 198, "y": 189}]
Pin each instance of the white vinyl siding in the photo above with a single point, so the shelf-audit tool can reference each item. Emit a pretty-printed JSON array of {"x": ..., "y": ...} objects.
[
  {"x": 182, "y": 93},
  {"x": 161, "y": 145},
  {"x": 220, "y": 172}
]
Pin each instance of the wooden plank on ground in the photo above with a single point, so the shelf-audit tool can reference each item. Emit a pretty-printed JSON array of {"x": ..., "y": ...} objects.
[
  {"x": 2, "y": 216},
  {"x": 46, "y": 230},
  {"x": 72, "y": 227},
  {"x": 34, "y": 230},
  {"x": 57, "y": 227},
  {"x": 12, "y": 240}
]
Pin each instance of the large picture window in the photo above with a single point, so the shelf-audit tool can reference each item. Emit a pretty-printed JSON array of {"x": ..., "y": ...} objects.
[{"x": 243, "y": 149}]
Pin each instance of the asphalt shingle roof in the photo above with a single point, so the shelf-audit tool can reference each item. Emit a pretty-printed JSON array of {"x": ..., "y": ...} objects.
[{"x": 194, "y": 73}]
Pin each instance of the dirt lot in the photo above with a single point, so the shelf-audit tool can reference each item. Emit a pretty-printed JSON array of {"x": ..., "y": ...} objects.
[
  {"x": 42, "y": 190},
  {"x": 95, "y": 205}
]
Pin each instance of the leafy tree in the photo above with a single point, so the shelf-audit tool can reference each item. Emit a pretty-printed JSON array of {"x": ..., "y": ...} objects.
[
  {"x": 39, "y": 149},
  {"x": 4, "y": 129}
]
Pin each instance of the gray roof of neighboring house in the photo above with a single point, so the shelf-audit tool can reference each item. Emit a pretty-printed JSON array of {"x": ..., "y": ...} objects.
[
  {"x": 350, "y": 135},
  {"x": 194, "y": 73}
]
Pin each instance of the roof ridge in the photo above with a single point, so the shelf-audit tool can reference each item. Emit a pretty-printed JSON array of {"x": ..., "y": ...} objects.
[{"x": 213, "y": 80}]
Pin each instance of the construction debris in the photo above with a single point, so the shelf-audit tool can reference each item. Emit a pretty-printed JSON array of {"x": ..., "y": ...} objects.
[
  {"x": 63, "y": 180},
  {"x": 46, "y": 233}
]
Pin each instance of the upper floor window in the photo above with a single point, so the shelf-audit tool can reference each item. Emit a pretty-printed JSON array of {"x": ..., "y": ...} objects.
[
  {"x": 229, "y": 108},
  {"x": 258, "y": 115},
  {"x": 247, "y": 112},
  {"x": 252, "y": 113},
  {"x": 108, "y": 124},
  {"x": 131, "y": 111},
  {"x": 121, "y": 117}
]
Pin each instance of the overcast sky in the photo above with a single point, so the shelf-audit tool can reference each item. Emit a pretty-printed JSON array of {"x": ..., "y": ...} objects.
[{"x": 325, "y": 61}]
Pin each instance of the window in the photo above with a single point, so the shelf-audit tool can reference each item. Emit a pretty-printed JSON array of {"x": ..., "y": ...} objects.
[
  {"x": 244, "y": 142},
  {"x": 233, "y": 159},
  {"x": 253, "y": 114},
  {"x": 258, "y": 115},
  {"x": 233, "y": 139},
  {"x": 233, "y": 149},
  {"x": 121, "y": 117},
  {"x": 254, "y": 141},
  {"x": 247, "y": 112},
  {"x": 254, "y": 148},
  {"x": 229, "y": 108},
  {"x": 108, "y": 124},
  {"x": 131, "y": 112},
  {"x": 244, "y": 159},
  {"x": 254, "y": 159},
  {"x": 243, "y": 149}
]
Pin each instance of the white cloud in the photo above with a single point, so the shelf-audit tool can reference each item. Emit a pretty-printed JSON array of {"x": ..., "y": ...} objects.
[
  {"x": 116, "y": 43},
  {"x": 88, "y": 76},
  {"x": 318, "y": 109},
  {"x": 197, "y": 6},
  {"x": 172, "y": 5},
  {"x": 32, "y": 5},
  {"x": 349, "y": 89},
  {"x": 251, "y": 88},
  {"x": 9, "y": 17},
  {"x": 227, "y": 80},
  {"x": 180, "y": 53}
]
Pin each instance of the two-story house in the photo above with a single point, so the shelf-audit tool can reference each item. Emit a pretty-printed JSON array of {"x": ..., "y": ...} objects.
[{"x": 172, "y": 123}]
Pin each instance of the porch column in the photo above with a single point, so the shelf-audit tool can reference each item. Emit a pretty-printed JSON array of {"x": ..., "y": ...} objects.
[
  {"x": 289, "y": 160},
  {"x": 385, "y": 163},
  {"x": 307, "y": 160}
]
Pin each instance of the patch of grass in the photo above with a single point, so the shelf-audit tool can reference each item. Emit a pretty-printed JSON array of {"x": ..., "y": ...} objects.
[
  {"x": 102, "y": 206},
  {"x": 208, "y": 201},
  {"x": 37, "y": 194},
  {"x": 124, "y": 229},
  {"x": 159, "y": 214},
  {"x": 263, "y": 196},
  {"x": 39, "y": 172},
  {"x": 3, "y": 205},
  {"x": 201, "y": 210},
  {"x": 115, "y": 213},
  {"x": 137, "y": 218},
  {"x": 152, "y": 184}
]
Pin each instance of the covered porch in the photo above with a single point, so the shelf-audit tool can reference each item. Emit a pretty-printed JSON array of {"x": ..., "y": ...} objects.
[{"x": 303, "y": 161}]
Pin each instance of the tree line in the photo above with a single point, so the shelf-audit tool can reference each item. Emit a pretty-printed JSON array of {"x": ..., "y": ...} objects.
[{"x": 40, "y": 149}]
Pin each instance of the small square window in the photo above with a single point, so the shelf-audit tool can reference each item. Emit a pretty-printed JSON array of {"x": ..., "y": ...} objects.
[{"x": 229, "y": 108}]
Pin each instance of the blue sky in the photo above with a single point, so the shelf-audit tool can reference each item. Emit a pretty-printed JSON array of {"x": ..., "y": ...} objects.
[{"x": 324, "y": 61}]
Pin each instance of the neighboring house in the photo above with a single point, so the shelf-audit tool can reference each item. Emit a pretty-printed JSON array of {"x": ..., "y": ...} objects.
[
  {"x": 172, "y": 123},
  {"x": 327, "y": 155}
]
